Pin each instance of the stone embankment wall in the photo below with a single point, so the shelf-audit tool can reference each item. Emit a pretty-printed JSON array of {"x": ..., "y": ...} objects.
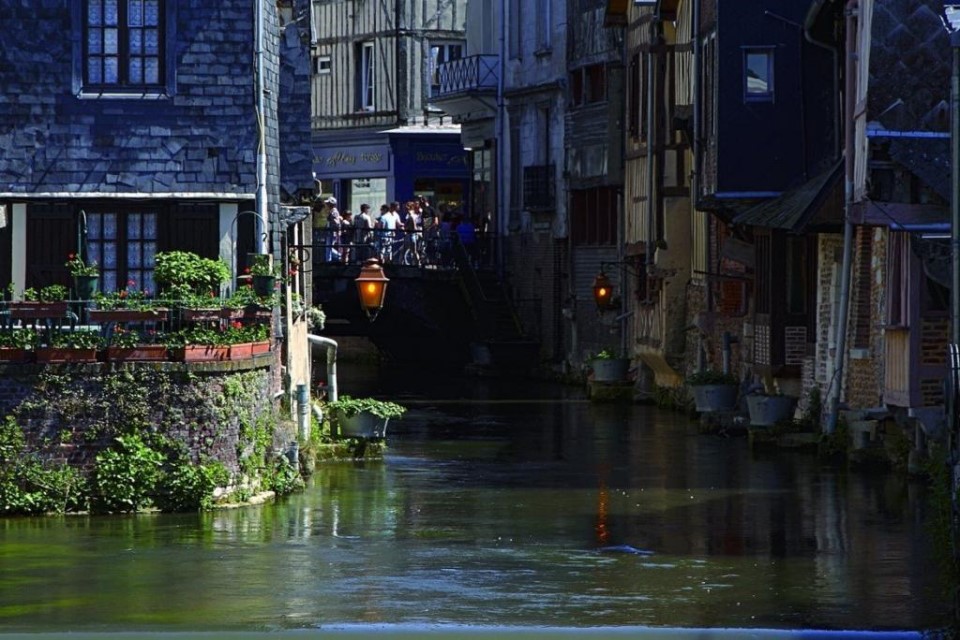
[{"x": 222, "y": 412}]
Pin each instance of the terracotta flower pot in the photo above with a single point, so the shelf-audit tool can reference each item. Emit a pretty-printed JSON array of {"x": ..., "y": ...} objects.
[
  {"x": 139, "y": 353},
  {"x": 15, "y": 355},
  {"x": 47, "y": 355},
  {"x": 200, "y": 353}
]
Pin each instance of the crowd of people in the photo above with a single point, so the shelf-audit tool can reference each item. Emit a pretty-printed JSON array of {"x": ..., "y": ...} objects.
[{"x": 415, "y": 233}]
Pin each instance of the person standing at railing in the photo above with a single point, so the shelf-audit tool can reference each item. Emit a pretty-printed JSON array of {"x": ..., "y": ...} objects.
[
  {"x": 334, "y": 224},
  {"x": 346, "y": 237},
  {"x": 412, "y": 226},
  {"x": 389, "y": 223},
  {"x": 363, "y": 236}
]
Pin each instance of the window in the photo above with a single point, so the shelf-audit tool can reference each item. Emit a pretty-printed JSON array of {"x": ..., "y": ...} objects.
[
  {"x": 440, "y": 53},
  {"x": 124, "y": 244},
  {"x": 593, "y": 216},
  {"x": 516, "y": 29},
  {"x": 588, "y": 85},
  {"x": 758, "y": 74},
  {"x": 123, "y": 47},
  {"x": 322, "y": 65},
  {"x": 365, "y": 80}
]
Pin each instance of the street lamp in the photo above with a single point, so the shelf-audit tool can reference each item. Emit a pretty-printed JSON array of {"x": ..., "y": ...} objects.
[
  {"x": 602, "y": 291},
  {"x": 372, "y": 287}
]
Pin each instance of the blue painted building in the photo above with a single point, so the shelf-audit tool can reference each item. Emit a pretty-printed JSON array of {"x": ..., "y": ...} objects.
[{"x": 135, "y": 127}]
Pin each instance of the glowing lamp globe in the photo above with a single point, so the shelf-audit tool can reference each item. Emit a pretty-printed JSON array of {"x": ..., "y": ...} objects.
[
  {"x": 602, "y": 291},
  {"x": 372, "y": 287}
]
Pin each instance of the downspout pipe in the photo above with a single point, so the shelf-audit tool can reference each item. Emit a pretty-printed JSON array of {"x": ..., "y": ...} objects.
[
  {"x": 955, "y": 188},
  {"x": 262, "y": 220},
  {"x": 850, "y": 100},
  {"x": 331, "y": 347},
  {"x": 502, "y": 213},
  {"x": 834, "y": 51}
]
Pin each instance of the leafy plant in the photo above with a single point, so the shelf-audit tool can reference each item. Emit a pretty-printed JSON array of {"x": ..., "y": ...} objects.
[
  {"x": 125, "y": 475},
  {"x": 710, "y": 376},
  {"x": 349, "y": 407},
  {"x": 606, "y": 354},
  {"x": 245, "y": 296},
  {"x": 127, "y": 338},
  {"x": 49, "y": 293},
  {"x": 78, "y": 267},
  {"x": 316, "y": 318},
  {"x": 188, "y": 487},
  {"x": 180, "y": 272},
  {"x": 262, "y": 265},
  {"x": 19, "y": 338},
  {"x": 127, "y": 298},
  {"x": 78, "y": 339}
]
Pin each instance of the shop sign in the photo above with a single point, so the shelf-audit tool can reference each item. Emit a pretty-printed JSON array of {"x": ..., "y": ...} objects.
[{"x": 351, "y": 159}]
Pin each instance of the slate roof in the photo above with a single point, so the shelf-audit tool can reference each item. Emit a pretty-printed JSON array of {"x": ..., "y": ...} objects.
[{"x": 815, "y": 201}]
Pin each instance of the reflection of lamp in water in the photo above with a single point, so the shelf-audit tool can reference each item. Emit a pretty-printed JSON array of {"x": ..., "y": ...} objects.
[
  {"x": 602, "y": 500},
  {"x": 372, "y": 287}
]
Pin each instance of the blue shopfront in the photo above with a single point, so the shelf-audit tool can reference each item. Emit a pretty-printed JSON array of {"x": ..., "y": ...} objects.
[{"x": 398, "y": 164}]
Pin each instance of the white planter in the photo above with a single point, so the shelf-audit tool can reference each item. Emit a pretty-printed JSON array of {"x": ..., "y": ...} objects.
[
  {"x": 610, "y": 369},
  {"x": 715, "y": 397},
  {"x": 766, "y": 411},
  {"x": 362, "y": 425}
]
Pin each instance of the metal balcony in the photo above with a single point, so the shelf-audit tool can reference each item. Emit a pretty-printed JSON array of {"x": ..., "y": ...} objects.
[{"x": 468, "y": 75}]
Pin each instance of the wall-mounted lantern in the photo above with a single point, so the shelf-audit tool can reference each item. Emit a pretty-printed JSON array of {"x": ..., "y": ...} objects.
[{"x": 602, "y": 291}]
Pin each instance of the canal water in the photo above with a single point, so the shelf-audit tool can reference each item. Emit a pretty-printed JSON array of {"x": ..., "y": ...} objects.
[{"x": 503, "y": 504}]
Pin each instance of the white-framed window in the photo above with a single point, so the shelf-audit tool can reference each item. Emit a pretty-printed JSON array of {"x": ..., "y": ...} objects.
[
  {"x": 758, "y": 74},
  {"x": 322, "y": 65},
  {"x": 366, "y": 86},
  {"x": 441, "y": 52},
  {"x": 124, "y": 244},
  {"x": 123, "y": 44}
]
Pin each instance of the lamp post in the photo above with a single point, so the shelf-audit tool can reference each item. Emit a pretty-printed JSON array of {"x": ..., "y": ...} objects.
[{"x": 372, "y": 287}]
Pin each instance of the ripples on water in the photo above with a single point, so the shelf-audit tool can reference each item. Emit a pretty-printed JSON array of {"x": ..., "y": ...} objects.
[{"x": 489, "y": 511}]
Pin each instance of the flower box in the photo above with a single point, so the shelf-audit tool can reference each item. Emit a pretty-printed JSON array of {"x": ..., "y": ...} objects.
[
  {"x": 15, "y": 354},
  {"x": 261, "y": 347},
  {"x": 241, "y": 351},
  {"x": 253, "y": 313},
  {"x": 200, "y": 353},
  {"x": 65, "y": 354},
  {"x": 201, "y": 315},
  {"x": 37, "y": 310},
  {"x": 139, "y": 353},
  {"x": 127, "y": 315}
]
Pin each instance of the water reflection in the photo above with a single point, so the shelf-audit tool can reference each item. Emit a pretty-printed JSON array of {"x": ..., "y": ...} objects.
[{"x": 493, "y": 507}]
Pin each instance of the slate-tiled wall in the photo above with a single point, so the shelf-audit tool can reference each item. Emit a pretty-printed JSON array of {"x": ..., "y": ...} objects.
[{"x": 202, "y": 139}]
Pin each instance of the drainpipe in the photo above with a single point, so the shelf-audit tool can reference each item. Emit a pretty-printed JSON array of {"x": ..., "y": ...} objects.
[
  {"x": 303, "y": 413},
  {"x": 836, "y": 383},
  {"x": 262, "y": 222},
  {"x": 834, "y": 51},
  {"x": 502, "y": 214},
  {"x": 331, "y": 347}
]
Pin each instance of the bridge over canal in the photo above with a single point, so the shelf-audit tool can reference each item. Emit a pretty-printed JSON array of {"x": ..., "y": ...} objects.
[{"x": 445, "y": 302}]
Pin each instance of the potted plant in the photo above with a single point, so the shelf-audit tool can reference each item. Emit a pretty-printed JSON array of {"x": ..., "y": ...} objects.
[
  {"x": 713, "y": 390},
  {"x": 85, "y": 276},
  {"x": 198, "y": 343},
  {"x": 126, "y": 345},
  {"x": 363, "y": 417},
  {"x": 70, "y": 346},
  {"x": 264, "y": 274},
  {"x": 245, "y": 304},
  {"x": 17, "y": 345},
  {"x": 185, "y": 276},
  {"x": 767, "y": 410},
  {"x": 245, "y": 341},
  {"x": 607, "y": 366},
  {"x": 48, "y": 302},
  {"x": 126, "y": 305}
]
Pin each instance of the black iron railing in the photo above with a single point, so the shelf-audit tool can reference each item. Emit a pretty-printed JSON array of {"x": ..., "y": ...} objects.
[{"x": 472, "y": 73}]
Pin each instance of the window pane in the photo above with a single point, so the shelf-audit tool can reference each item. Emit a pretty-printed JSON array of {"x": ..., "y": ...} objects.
[
  {"x": 134, "y": 255},
  {"x": 111, "y": 14},
  {"x": 758, "y": 73},
  {"x": 110, "y": 255},
  {"x": 109, "y": 226},
  {"x": 150, "y": 226},
  {"x": 94, "y": 74},
  {"x": 111, "y": 41},
  {"x": 134, "y": 13},
  {"x": 151, "y": 14},
  {"x": 151, "y": 41},
  {"x": 109, "y": 281},
  {"x": 93, "y": 253},
  {"x": 133, "y": 226},
  {"x": 136, "y": 42},
  {"x": 94, "y": 13},
  {"x": 136, "y": 71},
  {"x": 95, "y": 41},
  {"x": 149, "y": 254},
  {"x": 151, "y": 71},
  {"x": 111, "y": 71}
]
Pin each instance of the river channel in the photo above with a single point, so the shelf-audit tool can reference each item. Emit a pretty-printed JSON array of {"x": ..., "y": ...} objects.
[{"x": 503, "y": 504}]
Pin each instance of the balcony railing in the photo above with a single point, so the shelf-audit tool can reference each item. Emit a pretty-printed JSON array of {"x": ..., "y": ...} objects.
[{"x": 473, "y": 73}]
